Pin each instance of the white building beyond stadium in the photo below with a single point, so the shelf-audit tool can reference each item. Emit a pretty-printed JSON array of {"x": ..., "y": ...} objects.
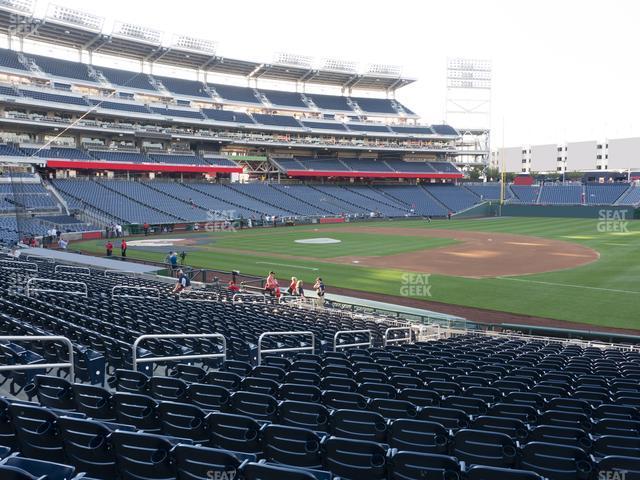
[{"x": 613, "y": 154}]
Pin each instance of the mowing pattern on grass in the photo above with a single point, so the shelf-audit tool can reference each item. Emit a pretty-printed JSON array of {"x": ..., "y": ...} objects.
[{"x": 611, "y": 299}]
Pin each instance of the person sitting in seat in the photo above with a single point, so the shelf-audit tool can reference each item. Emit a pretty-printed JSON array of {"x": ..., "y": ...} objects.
[{"x": 183, "y": 283}]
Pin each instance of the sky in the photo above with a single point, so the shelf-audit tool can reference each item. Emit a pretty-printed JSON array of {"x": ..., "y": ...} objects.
[{"x": 563, "y": 70}]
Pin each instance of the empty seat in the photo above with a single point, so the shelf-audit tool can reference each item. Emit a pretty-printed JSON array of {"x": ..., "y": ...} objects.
[
  {"x": 555, "y": 461},
  {"x": 616, "y": 445},
  {"x": 417, "y": 466},
  {"x": 355, "y": 459},
  {"x": 304, "y": 415},
  {"x": 358, "y": 424},
  {"x": 209, "y": 397},
  {"x": 479, "y": 472},
  {"x": 393, "y": 409},
  {"x": 142, "y": 456},
  {"x": 54, "y": 392},
  {"x": 255, "y": 405},
  {"x": 184, "y": 421},
  {"x": 136, "y": 410},
  {"x": 196, "y": 462},
  {"x": 37, "y": 432},
  {"x": 344, "y": 400},
  {"x": 167, "y": 388},
  {"x": 619, "y": 467},
  {"x": 95, "y": 402},
  {"x": 418, "y": 436},
  {"x": 299, "y": 393},
  {"x": 479, "y": 447},
  {"x": 292, "y": 446},
  {"x": 265, "y": 471},
  {"x": 515, "y": 428},
  {"x": 420, "y": 397},
  {"x": 87, "y": 447},
  {"x": 448, "y": 417},
  {"x": 234, "y": 432},
  {"x": 563, "y": 435}
]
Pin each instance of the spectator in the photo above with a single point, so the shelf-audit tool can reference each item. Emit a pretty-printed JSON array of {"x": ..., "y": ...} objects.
[
  {"x": 320, "y": 291},
  {"x": 183, "y": 256},
  {"x": 109, "y": 247},
  {"x": 62, "y": 244},
  {"x": 123, "y": 248},
  {"x": 271, "y": 284},
  {"x": 300, "y": 289},
  {"x": 292, "y": 286},
  {"x": 118, "y": 230},
  {"x": 183, "y": 282},
  {"x": 58, "y": 233},
  {"x": 233, "y": 287},
  {"x": 173, "y": 260},
  {"x": 145, "y": 228},
  {"x": 449, "y": 214}
]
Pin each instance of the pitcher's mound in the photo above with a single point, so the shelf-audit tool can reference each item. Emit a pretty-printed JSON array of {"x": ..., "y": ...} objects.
[{"x": 318, "y": 241}]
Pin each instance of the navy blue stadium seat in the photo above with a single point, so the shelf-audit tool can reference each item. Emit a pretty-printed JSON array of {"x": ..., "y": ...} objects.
[
  {"x": 184, "y": 421},
  {"x": 420, "y": 397},
  {"x": 392, "y": 409},
  {"x": 480, "y": 472},
  {"x": 136, "y": 410},
  {"x": 344, "y": 400},
  {"x": 94, "y": 402},
  {"x": 616, "y": 445},
  {"x": 255, "y": 405},
  {"x": 54, "y": 392},
  {"x": 417, "y": 466},
  {"x": 617, "y": 466},
  {"x": 292, "y": 446},
  {"x": 197, "y": 463},
  {"x": 37, "y": 432},
  {"x": 355, "y": 459},
  {"x": 358, "y": 424},
  {"x": 142, "y": 456},
  {"x": 38, "y": 469},
  {"x": 87, "y": 447},
  {"x": 479, "y": 447},
  {"x": 512, "y": 427},
  {"x": 313, "y": 416},
  {"x": 556, "y": 461},
  {"x": 418, "y": 436},
  {"x": 299, "y": 393},
  {"x": 234, "y": 432},
  {"x": 448, "y": 417},
  {"x": 264, "y": 471},
  {"x": 209, "y": 397}
]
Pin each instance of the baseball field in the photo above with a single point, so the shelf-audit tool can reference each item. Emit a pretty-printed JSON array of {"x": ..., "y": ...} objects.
[{"x": 576, "y": 270}]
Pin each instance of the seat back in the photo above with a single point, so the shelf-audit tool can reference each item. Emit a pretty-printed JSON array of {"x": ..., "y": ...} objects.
[
  {"x": 37, "y": 432},
  {"x": 358, "y": 424},
  {"x": 291, "y": 446},
  {"x": 479, "y": 447},
  {"x": 552, "y": 460},
  {"x": 418, "y": 436},
  {"x": 355, "y": 459},
  {"x": 87, "y": 446},
  {"x": 183, "y": 420},
  {"x": 143, "y": 456},
  {"x": 417, "y": 466},
  {"x": 304, "y": 415},
  {"x": 234, "y": 432},
  {"x": 196, "y": 463}
]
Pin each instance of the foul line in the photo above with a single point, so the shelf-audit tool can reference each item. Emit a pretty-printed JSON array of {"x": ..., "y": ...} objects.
[
  {"x": 568, "y": 285},
  {"x": 287, "y": 265}
]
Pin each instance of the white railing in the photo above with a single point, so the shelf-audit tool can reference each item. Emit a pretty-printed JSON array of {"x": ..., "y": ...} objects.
[
  {"x": 407, "y": 339},
  {"x": 38, "y": 366},
  {"x": 368, "y": 343},
  {"x": 177, "y": 336},
  {"x": 261, "y": 351},
  {"x": 72, "y": 269},
  {"x": 30, "y": 289},
  {"x": 153, "y": 292},
  {"x": 17, "y": 265},
  {"x": 193, "y": 296}
]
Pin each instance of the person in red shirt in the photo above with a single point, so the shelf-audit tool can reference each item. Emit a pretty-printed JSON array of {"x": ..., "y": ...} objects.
[
  {"x": 232, "y": 287},
  {"x": 271, "y": 284},
  {"x": 292, "y": 286},
  {"x": 109, "y": 247},
  {"x": 123, "y": 247}
]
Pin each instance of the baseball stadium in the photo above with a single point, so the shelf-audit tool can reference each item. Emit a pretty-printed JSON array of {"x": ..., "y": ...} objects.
[{"x": 222, "y": 268}]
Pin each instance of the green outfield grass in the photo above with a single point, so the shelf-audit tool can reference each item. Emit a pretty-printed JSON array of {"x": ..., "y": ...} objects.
[{"x": 606, "y": 292}]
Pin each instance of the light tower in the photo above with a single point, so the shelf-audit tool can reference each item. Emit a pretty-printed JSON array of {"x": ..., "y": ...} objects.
[{"x": 468, "y": 108}]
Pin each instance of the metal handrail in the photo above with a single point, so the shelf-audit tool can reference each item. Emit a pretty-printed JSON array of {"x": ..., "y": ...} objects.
[
  {"x": 350, "y": 345},
  {"x": 72, "y": 269},
  {"x": 15, "y": 264},
  {"x": 386, "y": 341},
  {"x": 131, "y": 287},
  {"x": 37, "y": 366},
  {"x": 30, "y": 289},
  {"x": 241, "y": 295},
  {"x": 183, "y": 298},
  {"x": 312, "y": 348},
  {"x": 142, "y": 338},
  {"x": 124, "y": 273},
  {"x": 38, "y": 258}
]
